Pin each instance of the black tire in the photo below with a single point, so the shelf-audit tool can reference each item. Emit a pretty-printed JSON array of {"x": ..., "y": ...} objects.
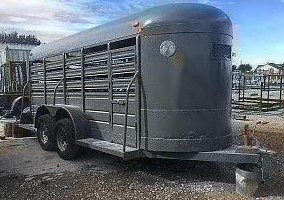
[
  {"x": 65, "y": 140},
  {"x": 26, "y": 116},
  {"x": 45, "y": 133}
]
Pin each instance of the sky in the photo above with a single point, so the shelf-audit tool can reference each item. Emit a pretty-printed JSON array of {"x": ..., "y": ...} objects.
[{"x": 258, "y": 24}]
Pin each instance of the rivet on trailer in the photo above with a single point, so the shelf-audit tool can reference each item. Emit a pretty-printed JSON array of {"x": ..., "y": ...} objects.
[{"x": 156, "y": 84}]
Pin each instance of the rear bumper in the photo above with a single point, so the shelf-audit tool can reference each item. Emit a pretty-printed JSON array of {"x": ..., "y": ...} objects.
[{"x": 233, "y": 154}]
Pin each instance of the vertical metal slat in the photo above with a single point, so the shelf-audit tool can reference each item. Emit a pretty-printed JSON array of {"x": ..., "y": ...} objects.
[
  {"x": 138, "y": 93},
  {"x": 110, "y": 86},
  {"x": 83, "y": 80},
  {"x": 44, "y": 79},
  {"x": 64, "y": 78}
]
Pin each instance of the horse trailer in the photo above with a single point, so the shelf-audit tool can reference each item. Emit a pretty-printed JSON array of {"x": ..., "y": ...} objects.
[{"x": 156, "y": 84}]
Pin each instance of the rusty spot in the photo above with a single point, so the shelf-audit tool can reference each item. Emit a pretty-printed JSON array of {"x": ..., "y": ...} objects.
[
  {"x": 144, "y": 32},
  {"x": 249, "y": 136},
  {"x": 178, "y": 59}
]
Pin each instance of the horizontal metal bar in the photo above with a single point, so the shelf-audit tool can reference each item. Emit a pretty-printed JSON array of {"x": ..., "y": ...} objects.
[
  {"x": 73, "y": 59},
  {"x": 130, "y": 48},
  {"x": 126, "y": 65},
  {"x": 56, "y": 62},
  {"x": 96, "y": 54},
  {"x": 229, "y": 155},
  {"x": 96, "y": 60},
  {"x": 123, "y": 58}
]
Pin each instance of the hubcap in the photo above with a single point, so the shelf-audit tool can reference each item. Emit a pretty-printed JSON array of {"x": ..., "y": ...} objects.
[
  {"x": 61, "y": 140},
  {"x": 43, "y": 134},
  {"x": 44, "y": 137}
]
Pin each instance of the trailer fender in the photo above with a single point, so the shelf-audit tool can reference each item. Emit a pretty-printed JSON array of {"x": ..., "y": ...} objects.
[
  {"x": 42, "y": 110},
  {"x": 16, "y": 107},
  {"x": 79, "y": 118}
]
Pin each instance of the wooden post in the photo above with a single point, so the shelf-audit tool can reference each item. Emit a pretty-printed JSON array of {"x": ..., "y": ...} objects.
[
  {"x": 268, "y": 88},
  {"x": 239, "y": 87},
  {"x": 8, "y": 130},
  {"x": 244, "y": 85},
  {"x": 280, "y": 95},
  {"x": 261, "y": 86},
  {"x": 264, "y": 81}
]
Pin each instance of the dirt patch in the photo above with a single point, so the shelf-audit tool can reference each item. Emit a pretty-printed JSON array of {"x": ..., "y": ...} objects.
[
  {"x": 89, "y": 185},
  {"x": 28, "y": 172},
  {"x": 269, "y": 131},
  {"x": 270, "y": 134},
  {"x": 273, "y": 141}
]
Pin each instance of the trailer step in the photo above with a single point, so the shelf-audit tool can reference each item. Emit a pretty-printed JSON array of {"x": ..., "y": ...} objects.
[{"x": 110, "y": 148}]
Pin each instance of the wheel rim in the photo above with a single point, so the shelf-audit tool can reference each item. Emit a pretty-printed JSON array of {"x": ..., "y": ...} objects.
[
  {"x": 43, "y": 134},
  {"x": 61, "y": 139}
]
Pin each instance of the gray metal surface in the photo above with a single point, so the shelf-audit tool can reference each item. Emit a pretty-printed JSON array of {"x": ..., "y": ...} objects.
[
  {"x": 228, "y": 155},
  {"x": 248, "y": 179},
  {"x": 180, "y": 101},
  {"x": 186, "y": 97},
  {"x": 106, "y": 71},
  {"x": 160, "y": 20},
  {"x": 110, "y": 148}
]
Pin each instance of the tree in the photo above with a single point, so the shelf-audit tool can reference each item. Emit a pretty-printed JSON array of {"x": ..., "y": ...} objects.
[
  {"x": 245, "y": 68},
  {"x": 15, "y": 38},
  {"x": 234, "y": 67}
]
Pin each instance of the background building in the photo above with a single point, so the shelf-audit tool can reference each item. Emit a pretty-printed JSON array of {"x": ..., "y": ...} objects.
[
  {"x": 14, "y": 52},
  {"x": 13, "y": 71}
]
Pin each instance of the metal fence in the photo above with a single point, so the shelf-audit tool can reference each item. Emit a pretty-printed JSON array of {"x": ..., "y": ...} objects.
[{"x": 261, "y": 92}]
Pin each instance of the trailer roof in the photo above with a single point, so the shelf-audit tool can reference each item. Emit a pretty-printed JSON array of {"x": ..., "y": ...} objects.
[{"x": 173, "y": 18}]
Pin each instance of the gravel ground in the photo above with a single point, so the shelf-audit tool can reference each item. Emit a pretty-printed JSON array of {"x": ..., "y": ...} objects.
[{"x": 27, "y": 172}]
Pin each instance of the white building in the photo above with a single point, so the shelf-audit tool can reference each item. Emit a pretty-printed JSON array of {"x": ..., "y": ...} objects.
[
  {"x": 12, "y": 81},
  {"x": 14, "y": 52},
  {"x": 268, "y": 69},
  {"x": 274, "y": 70}
]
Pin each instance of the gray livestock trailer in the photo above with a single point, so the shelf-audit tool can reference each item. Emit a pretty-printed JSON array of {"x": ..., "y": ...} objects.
[{"x": 156, "y": 84}]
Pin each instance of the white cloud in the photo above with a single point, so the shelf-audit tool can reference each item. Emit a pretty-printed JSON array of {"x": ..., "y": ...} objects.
[
  {"x": 52, "y": 19},
  {"x": 17, "y": 19}
]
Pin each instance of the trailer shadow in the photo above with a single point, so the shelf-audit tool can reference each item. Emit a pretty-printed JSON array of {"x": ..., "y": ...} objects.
[
  {"x": 25, "y": 157},
  {"x": 179, "y": 171},
  {"x": 171, "y": 170}
]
